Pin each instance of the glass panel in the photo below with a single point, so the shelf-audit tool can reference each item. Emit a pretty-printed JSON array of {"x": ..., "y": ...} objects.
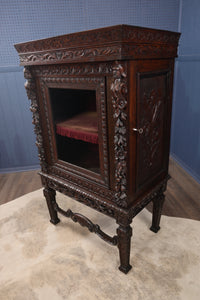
[{"x": 76, "y": 127}]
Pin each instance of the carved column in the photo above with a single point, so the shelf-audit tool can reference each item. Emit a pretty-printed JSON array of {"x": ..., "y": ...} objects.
[
  {"x": 157, "y": 209},
  {"x": 50, "y": 199},
  {"x": 30, "y": 87},
  {"x": 119, "y": 101}
]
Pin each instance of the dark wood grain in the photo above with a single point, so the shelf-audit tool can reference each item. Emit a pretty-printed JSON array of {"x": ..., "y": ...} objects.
[
  {"x": 134, "y": 143},
  {"x": 111, "y": 43}
]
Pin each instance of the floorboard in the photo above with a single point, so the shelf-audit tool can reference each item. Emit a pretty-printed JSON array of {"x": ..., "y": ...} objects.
[{"x": 182, "y": 195}]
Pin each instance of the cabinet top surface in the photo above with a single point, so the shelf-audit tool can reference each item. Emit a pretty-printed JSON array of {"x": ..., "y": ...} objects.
[{"x": 109, "y": 43}]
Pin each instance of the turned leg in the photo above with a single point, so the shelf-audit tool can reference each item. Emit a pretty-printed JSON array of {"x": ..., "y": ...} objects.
[
  {"x": 157, "y": 209},
  {"x": 50, "y": 199},
  {"x": 124, "y": 234}
]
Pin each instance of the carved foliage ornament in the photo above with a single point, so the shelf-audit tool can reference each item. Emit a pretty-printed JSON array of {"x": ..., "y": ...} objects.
[
  {"x": 31, "y": 93},
  {"x": 119, "y": 101},
  {"x": 74, "y": 69},
  {"x": 69, "y": 55},
  {"x": 100, "y": 36},
  {"x": 107, "y": 42},
  {"x": 81, "y": 196},
  {"x": 144, "y": 50}
]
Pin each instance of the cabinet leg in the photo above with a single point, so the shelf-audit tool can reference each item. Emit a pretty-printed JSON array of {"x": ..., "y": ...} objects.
[
  {"x": 157, "y": 209},
  {"x": 124, "y": 234},
  {"x": 50, "y": 199}
]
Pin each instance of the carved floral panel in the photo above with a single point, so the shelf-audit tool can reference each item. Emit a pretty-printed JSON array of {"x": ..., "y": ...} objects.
[{"x": 151, "y": 119}]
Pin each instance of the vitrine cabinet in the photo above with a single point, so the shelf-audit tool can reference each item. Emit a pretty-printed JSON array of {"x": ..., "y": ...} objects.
[{"x": 101, "y": 103}]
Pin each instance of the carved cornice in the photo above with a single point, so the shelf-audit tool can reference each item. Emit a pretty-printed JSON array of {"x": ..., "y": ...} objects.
[
  {"x": 71, "y": 55},
  {"x": 119, "y": 100},
  {"x": 113, "y": 34},
  {"x": 147, "y": 35},
  {"x": 30, "y": 87},
  {"x": 148, "y": 51},
  {"x": 126, "y": 51},
  {"x": 90, "y": 37},
  {"x": 111, "y": 43}
]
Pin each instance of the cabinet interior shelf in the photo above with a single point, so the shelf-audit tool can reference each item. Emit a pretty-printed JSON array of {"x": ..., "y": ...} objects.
[{"x": 83, "y": 127}]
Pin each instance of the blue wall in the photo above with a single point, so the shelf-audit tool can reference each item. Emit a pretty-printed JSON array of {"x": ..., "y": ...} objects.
[
  {"x": 25, "y": 20},
  {"x": 185, "y": 142},
  {"x": 17, "y": 149}
]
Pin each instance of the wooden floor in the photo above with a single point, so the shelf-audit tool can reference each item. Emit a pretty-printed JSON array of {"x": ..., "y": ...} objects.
[
  {"x": 14, "y": 185},
  {"x": 182, "y": 195}
]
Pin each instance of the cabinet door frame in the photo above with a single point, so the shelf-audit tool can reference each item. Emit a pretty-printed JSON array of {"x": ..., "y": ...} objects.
[{"x": 79, "y": 82}]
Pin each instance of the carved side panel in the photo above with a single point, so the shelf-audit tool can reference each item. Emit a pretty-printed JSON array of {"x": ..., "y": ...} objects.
[
  {"x": 151, "y": 119},
  {"x": 30, "y": 86},
  {"x": 119, "y": 100}
]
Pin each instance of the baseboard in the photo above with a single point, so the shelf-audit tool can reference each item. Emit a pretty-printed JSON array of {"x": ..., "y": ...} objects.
[
  {"x": 184, "y": 166},
  {"x": 19, "y": 169}
]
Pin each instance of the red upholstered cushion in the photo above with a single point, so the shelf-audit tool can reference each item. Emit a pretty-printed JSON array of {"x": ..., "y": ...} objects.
[{"x": 81, "y": 127}]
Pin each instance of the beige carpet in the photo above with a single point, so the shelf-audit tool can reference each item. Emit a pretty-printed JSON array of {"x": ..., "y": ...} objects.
[{"x": 41, "y": 261}]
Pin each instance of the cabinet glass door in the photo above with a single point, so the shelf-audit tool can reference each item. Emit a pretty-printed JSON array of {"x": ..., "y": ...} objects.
[{"x": 75, "y": 120}]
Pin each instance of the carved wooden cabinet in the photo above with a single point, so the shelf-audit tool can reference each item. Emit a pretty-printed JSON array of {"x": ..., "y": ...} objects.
[{"x": 101, "y": 103}]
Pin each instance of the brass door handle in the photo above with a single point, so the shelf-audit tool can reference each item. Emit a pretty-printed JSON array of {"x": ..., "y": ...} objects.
[{"x": 139, "y": 130}]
